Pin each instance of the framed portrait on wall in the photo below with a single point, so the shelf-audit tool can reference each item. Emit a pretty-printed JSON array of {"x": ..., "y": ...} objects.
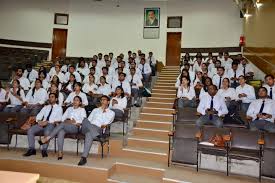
[
  {"x": 151, "y": 17},
  {"x": 61, "y": 19}
]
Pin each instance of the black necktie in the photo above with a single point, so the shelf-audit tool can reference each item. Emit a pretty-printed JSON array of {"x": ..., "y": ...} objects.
[
  {"x": 49, "y": 115},
  {"x": 150, "y": 60},
  {"x": 244, "y": 70},
  {"x": 261, "y": 109},
  {"x": 121, "y": 84},
  {"x": 220, "y": 83},
  {"x": 28, "y": 75},
  {"x": 211, "y": 107},
  {"x": 142, "y": 69},
  {"x": 235, "y": 76},
  {"x": 270, "y": 93},
  {"x": 132, "y": 79}
]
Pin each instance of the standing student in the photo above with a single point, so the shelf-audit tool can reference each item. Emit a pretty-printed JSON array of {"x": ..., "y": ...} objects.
[
  {"x": 186, "y": 94},
  {"x": 261, "y": 112},
  {"x": 46, "y": 120},
  {"x": 91, "y": 127},
  {"x": 118, "y": 102},
  {"x": 152, "y": 61},
  {"x": 3, "y": 100},
  {"x": 16, "y": 96},
  {"x": 35, "y": 99},
  {"x": 212, "y": 108},
  {"x": 77, "y": 92},
  {"x": 136, "y": 84},
  {"x": 270, "y": 86},
  {"x": 71, "y": 123},
  {"x": 145, "y": 71}
]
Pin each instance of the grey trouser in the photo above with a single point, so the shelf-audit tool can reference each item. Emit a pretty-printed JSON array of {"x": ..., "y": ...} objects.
[
  {"x": 61, "y": 130},
  {"x": 262, "y": 125},
  {"x": 186, "y": 103},
  {"x": 37, "y": 129},
  {"x": 32, "y": 110},
  {"x": 91, "y": 132},
  {"x": 16, "y": 108},
  {"x": 146, "y": 78},
  {"x": 244, "y": 107},
  {"x": 205, "y": 120}
]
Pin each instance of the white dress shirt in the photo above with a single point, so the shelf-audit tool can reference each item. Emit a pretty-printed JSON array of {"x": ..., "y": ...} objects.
[
  {"x": 86, "y": 79},
  {"x": 229, "y": 92},
  {"x": 101, "y": 63},
  {"x": 24, "y": 83},
  {"x": 40, "y": 96},
  {"x": 147, "y": 68},
  {"x": 217, "y": 81},
  {"x": 78, "y": 114},
  {"x": 121, "y": 103},
  {"x": 100, "y": 117},
  {"x": 248, "y": 68},
  {"x": 125, "y": 85},
  {"x": 255, "y": 106},
  {"x": 82, "y": 95},
  {"x": 268, "y": 90},
  {"x": 135, "y": 80},
  {"x": 219, "y": 105},
  {"x": 202, "y": 93},
  {"x": 104, "y": 90},
  {"x": 45, "y": 84},
  {"x": 248, "y": 90},
  {"x": 55, "y": 116},
  {"x": 186, "y": 92},
  {"x": 32, "y": 76},
  {"x": 108, "y": 77},
  {"x": 231, "y": 74},
  {"x": 151, "y": 59},
  {"x": 60, "y": 75},
  {"x": 76, "y": 74},
  {"x": 84, "y": 71},
  {"x": 15, "y": 101},
  {"x": 90, "y": 88},
  {"x": 197, "y": 67},
  {"x": 2, "y": 95},
  {"x": 227, "y": 64}
]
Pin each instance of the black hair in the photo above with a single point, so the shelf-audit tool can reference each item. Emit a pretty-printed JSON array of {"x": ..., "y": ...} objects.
[
  {"x": 122, "y": 93},
  {"x": 33, "y": 90},
  {"x": 105, "y": 68},
  {"x": 79, "y": 98},
  {"x": 19, "y": 87},
  {"x": 221, "y": 68},
  {"x": 235, "y": 63},
  {"x": 189, "y": 81},
  {"x": 269, "y": 75},
  {"x": 44, "y": 72},
  {"x": 122, "y": 74},
  {"x": 103, "y": 78},
  {"x": 216, "y": 88},
  {"x": 227, "y": 81},
  {"x": 105, "y": 96},
  {"x": 55, "y": 94},
  {"x": 181, "y": 75},
  {"x": 78, "y": 84},
  {"x": 204, "y": 83},
  {"x": 263, "y": 89}
]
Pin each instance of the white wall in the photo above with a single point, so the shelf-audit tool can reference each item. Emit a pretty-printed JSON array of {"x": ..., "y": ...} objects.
[{"x": 102, "y": 27}]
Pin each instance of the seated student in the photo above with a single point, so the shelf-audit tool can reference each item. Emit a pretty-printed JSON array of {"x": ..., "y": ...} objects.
[
  {"x": 125, "y": 67},
  {"x": 261, "y": 112},
  {"x": 211, "y": 65},
  {"x": 136, "y": 84},
  {"x": 152, "y": 62},
  {"x": 246, "y": 68},
  {"x": 185, "y": 73},
  {"x": 186, "y": 94},
  {"x": 77, "y": 92},
  {"x": 54, "y": 89},
  {"x": 24, "y": 82},
  {"x": 245, "y": 93},
  {"x": 72, "y": 71},
  {"x": 186, "y": 66},
  {"x": 209, "y": 59},
  {"x": 270, "y": 86},
  {"x": 44, "y": 70},
  {"x": 104, "y": 88},
  {"x": 100, "y": 61},
  {"x": 65, "y": 65},
  {"x": 35, "y": 99},
  {"x": 137, "y": 71},
  {"x": 42, "y": 77},
  {"x": 234, "y": 73},
  {"x": 46, "y": 120},
  {"x": 204, "y": 70},
  {"x": 109, "y": 66},
  {"x": 81, "y": 63},
  {"x": 92, "y": 72},
  {"x": 204, "y": 90},
  {"x": 109, "y": 78},
  {"x": 90, "y": 89},
  {"x": 91, "y": 127},
  {"x": 3, "y": 100},
  {"x": 30, "y": 73},
  {"x": 118, "y": 71},
  {"x": 82, "y": 68},
  {"x": 227, "y": 61},
  {"x": 217, "y": 79},
  {"x": 58, "y": 73},
  {"x": 71, "y": 123},
  {"x": 118, "y": 102},
  {"x": 16, "y": 96},
  {"x": 69, "y": 86},
  {"x": 145, "y": 71},
  {"x": 220, "y": 56},
  {"x": 198, "y": 83},
  {"x": 212, "y": 107},
  {"x": 197, "y": 63},
  {"x": 55, "y": 80},
  {"x": 214, "y": 70},
  {"x": 122, "y": 82}
]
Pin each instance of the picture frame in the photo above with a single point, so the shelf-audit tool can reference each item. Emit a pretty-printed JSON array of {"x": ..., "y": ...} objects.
[
  {"x": 151, "y": 17},
  {"x": 61, "y": 19},
  {"x": 174, "y": 22}
]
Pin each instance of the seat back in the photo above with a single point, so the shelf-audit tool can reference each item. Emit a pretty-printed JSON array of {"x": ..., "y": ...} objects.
[
  {"x": 186, "y": 131},
  {"x": 244, "y": 139},
  {"x": 186, "y": 114}
]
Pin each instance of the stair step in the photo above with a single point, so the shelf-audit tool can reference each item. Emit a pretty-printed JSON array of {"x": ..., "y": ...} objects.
[
  {"x": 126, "y": 178},
  {"x": 158, "y": 87},
  {"x": 163, "y": 95},
  {"x": 147, "y": 142},
  {"x": 146, "y": 132},
  {"x": 154, "y": 125},
  {"x": 157, "y": 110},
  {"x": 155, "y": 117},
  {"x": 161, "y": 99},
  {"x": 165, "y": 82},
  {"x": 159, "y": 104}
]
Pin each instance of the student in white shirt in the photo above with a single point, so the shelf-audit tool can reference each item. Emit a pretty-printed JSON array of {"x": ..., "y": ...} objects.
[
  {"x": 82, "y": 68},
  {"x": 138, "y": 72},
  {"x": 54, "y": 89},
  {"x": 104, "y": 88},
  {"x": 30, "y": 73},
  {"x": 91, "y": 89},
  {"x": 44, "y": 70},
  {"x": 270, "y": 86},
  {"x": 186, "y": 94},
  {"x": 16, "y": 96},
  {"x": 3, "y": 100},
  {"x": 220, "y": 56},
  {"x": 42, "y": 77},
  {"x": 24, "y": 82},
  {"x": 71, "y": 123},
  {"x": 227, "y": 61},
  {"x": 105, "y": 73},
  {"x": 192, "y": 74},
  {"x": 234, "y": 73},
  {"x": 46, "y": 120},
  {"x": 96, "y": 122},
  {"x": 100, "y": 61},
  {"x": 204, "y": 90},
  {"x": 58, "y": 73},
  {"x": 145, "y": 71},
  {"x": 69, "y": 86},
  {"x": 72, "y": 71},
  {"x": 197, "y": 63},
  {"x": 55, "y": 80},
  {"x": 212, "y": 107},
  {"x": 82, "y": 63},
  {"x": 183, "y": 73},
  {"x": 110, "y": 68},
  {"x": 122, "y": 81},
  {"x": 118, "y": 71},
  {"x": 209, "y": 58},
  {"x": 152, "y": 62},
  {"x": 93, "y": 73},
  {"x": 136, "y": 85},
  {"x": 204, "y": 69},
  {"x": 246, "y": 68},
  {"x": 245, "y": 93},
  {"x": 261, "y": 112},
  {"x": 118, "y": 102},
  {"x": 217, "y": 79},
  {"x": 213, "y": 71},
  {"x": 77, "y": 92},
  {"x": 198, "y": 83},
  {"x": 35, "y": 99}
]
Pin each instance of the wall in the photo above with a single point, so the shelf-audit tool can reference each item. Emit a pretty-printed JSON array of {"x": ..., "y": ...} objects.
[{"x": 102, "y": 27}]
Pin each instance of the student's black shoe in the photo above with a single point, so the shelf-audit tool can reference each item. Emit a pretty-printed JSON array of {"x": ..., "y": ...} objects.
[
  {"x": 40, "y": 142},
  {"x": 44, "y": 153},
  {"x": 60, "y": 158},
  {"x": 137, "y": 105},
  {"x": 30, "y": 152},
  {"x": 82, "y": 161}
]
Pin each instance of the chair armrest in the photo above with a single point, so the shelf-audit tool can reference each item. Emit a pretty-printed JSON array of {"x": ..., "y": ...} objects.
[
  {"x": 261, "y": 141},
  {"x": 198, "y": 135},
  {"x": 175, "y": 112},
  {"x": 198, "y": 114},
  {"x": 226, "y": 138},
  {"x": 171, "y": 133}
]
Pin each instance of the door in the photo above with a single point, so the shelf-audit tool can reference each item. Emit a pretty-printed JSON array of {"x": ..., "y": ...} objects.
[
  {"x": 59, "y": 43},
  {"x": 173, "y": 48}
]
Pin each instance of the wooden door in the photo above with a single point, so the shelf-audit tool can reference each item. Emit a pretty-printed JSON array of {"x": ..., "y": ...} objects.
[
  {"x": 59, "y": 43},
  {"x": 173, "y": 48}
]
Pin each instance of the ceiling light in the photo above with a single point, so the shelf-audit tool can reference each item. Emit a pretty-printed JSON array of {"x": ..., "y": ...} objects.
[
  {"x": 259, "y": 5},
  {"x": 246, "y": 15}
]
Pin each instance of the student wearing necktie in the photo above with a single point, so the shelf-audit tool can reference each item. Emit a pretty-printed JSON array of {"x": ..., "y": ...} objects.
[
  {"x": 152, "y": 62},
  {"x": 261, "y": 113},
  {"x": 46, "y": 119},
  {"x": 270, "y": 86},
  {"x": 146, "y": 72},
  {"x": 217, "y": 79},
  {"x": 212, "y": 108},
  {"x": 136, "y": 84}
]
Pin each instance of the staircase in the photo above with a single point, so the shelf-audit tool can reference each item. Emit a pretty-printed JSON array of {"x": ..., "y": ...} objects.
[{"x": 148, "y": 143}]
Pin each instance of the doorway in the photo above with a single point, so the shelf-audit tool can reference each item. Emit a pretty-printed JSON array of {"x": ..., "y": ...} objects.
[
  {"x": 173, "y": 48},
  {"x": 59, "y": 43}
]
